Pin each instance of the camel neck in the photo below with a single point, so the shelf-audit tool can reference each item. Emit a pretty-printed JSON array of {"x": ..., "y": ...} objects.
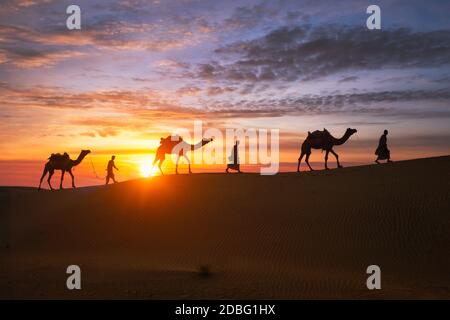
[
  {"x": 198, "y": 145},
  {"x": 79, "y": 159},
  {"x": 341, "y": 140}
]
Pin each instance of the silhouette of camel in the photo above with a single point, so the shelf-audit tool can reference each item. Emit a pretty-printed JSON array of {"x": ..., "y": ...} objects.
[
  {"x": 325, "y": 141},
  {"x": 176, "y": 145},
  {"x": 61, "y": 162}
]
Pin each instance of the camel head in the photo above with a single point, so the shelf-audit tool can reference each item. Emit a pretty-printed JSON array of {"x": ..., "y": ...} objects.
[
  {"x": 349, "y": 132},
  {"x": 83, "y": 154},
  {"x": 205, "y": 141}
]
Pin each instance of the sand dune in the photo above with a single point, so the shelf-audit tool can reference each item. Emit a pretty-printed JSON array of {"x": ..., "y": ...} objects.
[{"x": 308, "y": 235}]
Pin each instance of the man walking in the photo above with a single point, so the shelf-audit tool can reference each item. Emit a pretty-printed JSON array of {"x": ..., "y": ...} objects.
[
  {"x": 382, "y": 152},
  {"x": 235, "y": 158},
  {"x": 110, "y": 170}
]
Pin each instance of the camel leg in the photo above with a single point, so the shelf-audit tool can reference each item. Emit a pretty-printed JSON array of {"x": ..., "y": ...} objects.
[
  {"x": 62, "y": 178},
  {"x": 337, "y": 158},
  {"x": 189, "y": 162},
  {"x": 176, "y": 165},
  {"x": 326, "y": 159},
  {"x": 153, "y": 165},
  {"x": 307, "y": 161},
  {"x": 299, "y": 161},
  {"x": 51, "y": 172},
  {"x": 159, "y": 159},
  {"x": 42, "y": 177},
  {"x": 159, "y": 166},
  {"x": 154, "y": 162},
  {"x": 73, "y": 178}
]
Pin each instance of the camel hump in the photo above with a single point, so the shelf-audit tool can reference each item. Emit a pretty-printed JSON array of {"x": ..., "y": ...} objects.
[
  {"x": 171, "y": 139},
  {"x": 318, "y": 134},
  {"x": 59, "y": 156}
]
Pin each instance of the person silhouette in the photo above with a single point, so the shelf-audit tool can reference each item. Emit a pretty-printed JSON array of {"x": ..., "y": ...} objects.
[
  {"x": 110, "y": 170},
  {"x": 382, "y": 152},
  {"x": 235, "y": 158}
]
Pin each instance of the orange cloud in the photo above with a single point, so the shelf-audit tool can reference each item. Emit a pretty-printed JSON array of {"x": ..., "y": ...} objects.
[{"x": 19, "y": 43}]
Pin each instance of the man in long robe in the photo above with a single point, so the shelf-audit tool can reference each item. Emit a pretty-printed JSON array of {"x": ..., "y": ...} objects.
[
  {"x": 383, "y": 152},
  {"x": 235, "y": 158}
]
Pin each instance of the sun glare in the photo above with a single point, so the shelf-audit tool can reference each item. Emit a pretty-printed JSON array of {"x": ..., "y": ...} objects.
[{"x": 146, "y": 170}]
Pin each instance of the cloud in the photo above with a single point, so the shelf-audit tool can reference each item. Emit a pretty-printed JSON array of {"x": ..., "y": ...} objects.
[
  {"x": 151, "y": 105},
  {"x": 307, "y": 53},
  {"x": 28, "y": 47},
  {"x": 375, "y": 103},
  {"x": 361, "y": 123},
  {"x": 104, "y": 33},
  {"x": 60, "y": 98},
  {"x": 445, "y": 79},
  {"x": 14, "y": 5},
  {"x": 88, "y": 134},
  {"x": 31, "y": 58},
  {"x": 188, "y": 91},
  {"x": 246, "y": 17},
  {"x": 348, "y": 79},
  {"x": 214, "y": 91},
  {"x": 138, "y": 79},
  {"x": 107, "y": 132},
  {"x": 21, "y": 46}
]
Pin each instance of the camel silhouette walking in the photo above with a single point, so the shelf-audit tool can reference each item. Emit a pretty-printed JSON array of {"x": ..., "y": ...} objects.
[
  {"x": 176, "y": 145},
  {"x": 325, "y": 141},
  {"x": 64, "y": 163}
]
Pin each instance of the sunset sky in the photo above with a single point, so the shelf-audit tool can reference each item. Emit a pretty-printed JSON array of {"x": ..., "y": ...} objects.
[{"x": 139, "y": 69}]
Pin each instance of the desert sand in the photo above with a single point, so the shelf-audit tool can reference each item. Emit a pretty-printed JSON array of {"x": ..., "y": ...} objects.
[{"x": 209, "y": 236}]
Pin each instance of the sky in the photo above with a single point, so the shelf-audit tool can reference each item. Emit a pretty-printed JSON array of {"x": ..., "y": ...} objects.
[{"x": 138, "y": 70}]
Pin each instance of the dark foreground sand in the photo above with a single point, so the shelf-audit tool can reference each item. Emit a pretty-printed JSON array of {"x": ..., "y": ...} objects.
[{"x": 287, "y": 236}]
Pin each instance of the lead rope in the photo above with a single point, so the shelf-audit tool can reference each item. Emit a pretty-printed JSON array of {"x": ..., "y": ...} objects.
[{"x": 93, "y": 169}]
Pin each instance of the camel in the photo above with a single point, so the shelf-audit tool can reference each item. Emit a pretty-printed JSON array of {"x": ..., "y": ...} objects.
[
  {"x": 325, "y": 141},
  {"x": 64, "y": 163},
  {"x": 176, "y": 145}
]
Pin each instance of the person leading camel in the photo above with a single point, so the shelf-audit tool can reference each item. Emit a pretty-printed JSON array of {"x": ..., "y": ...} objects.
[
  {"x": 110, "y": 170},
  {"x": 383, "y": 152},
  {"x": 235, "y": 159}
]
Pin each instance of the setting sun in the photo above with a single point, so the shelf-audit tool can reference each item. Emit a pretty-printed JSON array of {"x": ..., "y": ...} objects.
[{"x": 146, "y": 169}]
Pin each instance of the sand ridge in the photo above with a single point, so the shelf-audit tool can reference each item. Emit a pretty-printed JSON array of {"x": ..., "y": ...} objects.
[{"x": 308, "y": 235}]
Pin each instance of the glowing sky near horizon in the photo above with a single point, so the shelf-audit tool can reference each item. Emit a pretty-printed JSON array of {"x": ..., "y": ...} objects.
[{"x": 140, "y": 69}]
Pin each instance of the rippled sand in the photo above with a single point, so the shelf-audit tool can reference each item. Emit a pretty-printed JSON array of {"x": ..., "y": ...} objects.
[{"x": 308, "y": 235}]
